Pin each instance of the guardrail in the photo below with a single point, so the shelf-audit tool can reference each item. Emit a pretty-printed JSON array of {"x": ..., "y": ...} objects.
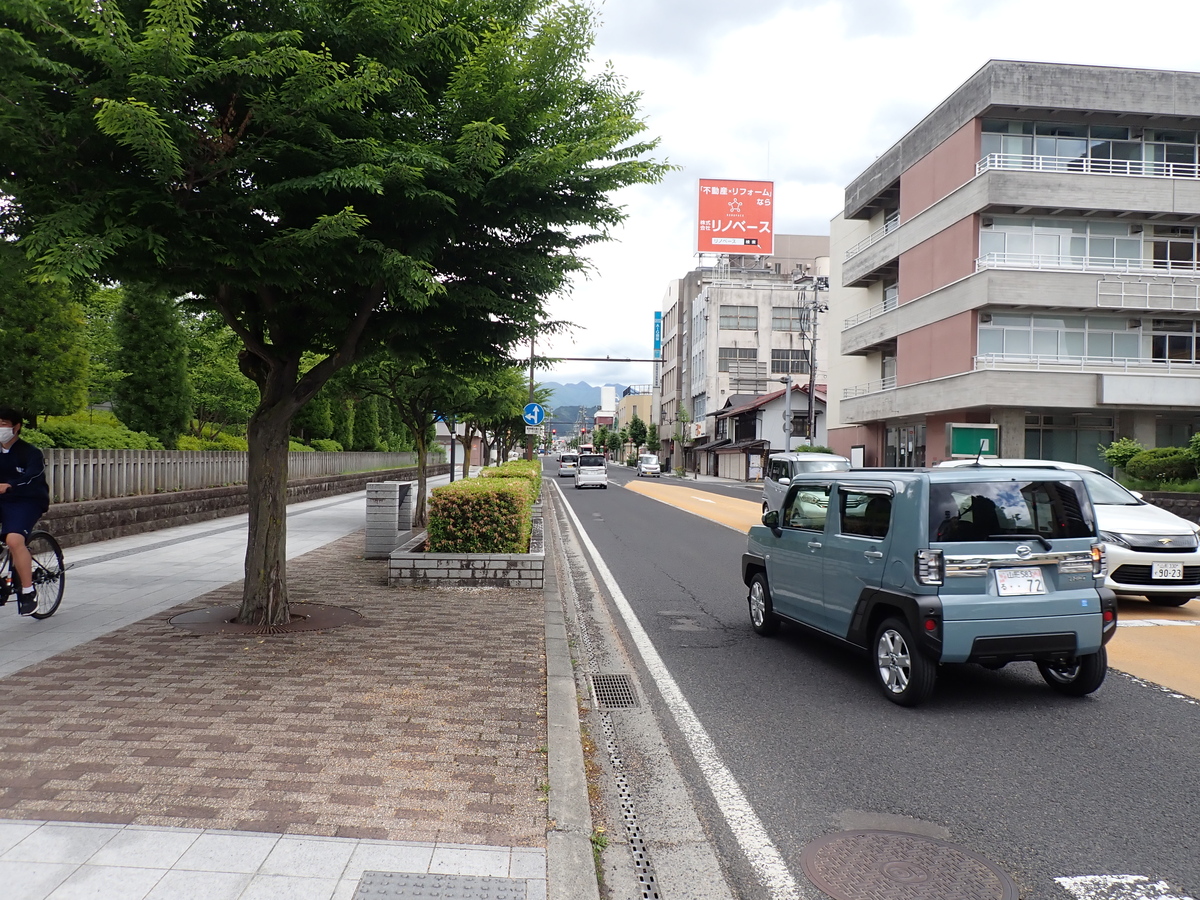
[
  {"x": 75, "y": 475},
  {"x": 866, "y": 315},
  {"x": 1063, "y": 262},
  {"x": 890, "y": 224},
  {"x": 1036, "y": 363},
  {"x": 871, "y": 387},
  {"x": 1087, "y": 166}
]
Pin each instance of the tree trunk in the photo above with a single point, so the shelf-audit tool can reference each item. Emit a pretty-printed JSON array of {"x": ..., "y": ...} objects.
[
  {"x": 420, "y": 514},
  {"x": 468, "y": 438},
  {"x": 264, "y": 594}
]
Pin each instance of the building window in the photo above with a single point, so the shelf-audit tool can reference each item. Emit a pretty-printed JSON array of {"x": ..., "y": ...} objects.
[
  {"x": 789, "y": 361},
  {"x": 739, "y": 318},
  {"x": 726, "y": 355},
  {"x": 1173, "y": 340},
  {"x": 1065, "y": 140},
  {"x": 789, "y": 318},
  {"x": 1068, "y": 243},
  {"x": 1060, "y": 337},
  {"x": 891, "y": 295}
]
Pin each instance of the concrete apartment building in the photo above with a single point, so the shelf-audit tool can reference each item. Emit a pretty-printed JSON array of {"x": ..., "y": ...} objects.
[
  {"x": 1027, "y": 255},
  {"x": 732, "y": 330}
]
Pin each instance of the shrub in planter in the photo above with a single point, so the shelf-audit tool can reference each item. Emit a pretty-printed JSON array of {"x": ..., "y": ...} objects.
[
  {"x": 529, "y": 470},
  {"x": 481, "y": 515},
  {"x": 1162, "y": 464}
]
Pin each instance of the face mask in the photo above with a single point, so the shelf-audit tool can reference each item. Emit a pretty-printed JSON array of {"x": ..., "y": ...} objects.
[{"x": 6, "y": 435}]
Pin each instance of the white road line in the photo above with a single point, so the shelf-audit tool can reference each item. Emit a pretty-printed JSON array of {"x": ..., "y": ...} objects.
[
  {"x": 1118, "y": 887},
  {"x": 703, "y": 499},
  {"x": 747, "y": 828},
  {"x": 1142, "y": 623}
]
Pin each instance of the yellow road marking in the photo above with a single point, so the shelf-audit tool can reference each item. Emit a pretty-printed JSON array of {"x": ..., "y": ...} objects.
[{"x": 728, "y": 511}]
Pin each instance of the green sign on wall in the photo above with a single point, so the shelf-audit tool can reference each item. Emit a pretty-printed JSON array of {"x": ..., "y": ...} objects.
[{"x": 966, "y": 439}]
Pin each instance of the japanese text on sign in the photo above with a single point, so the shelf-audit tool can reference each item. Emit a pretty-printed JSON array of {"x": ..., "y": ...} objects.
[{"x": 736, "y": 217}]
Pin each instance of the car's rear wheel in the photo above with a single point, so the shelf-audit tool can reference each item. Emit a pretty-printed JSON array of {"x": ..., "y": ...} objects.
[
  {"x": 762, "y": 612},
  {"x": 1169, "y": 599},
  {"x": 904, "y": 672},
  {"x": 1079, "y": 678}
]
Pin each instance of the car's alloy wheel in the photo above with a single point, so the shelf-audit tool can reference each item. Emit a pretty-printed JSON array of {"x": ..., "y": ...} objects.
[
  {"x": 905, "y": 673},
  {"x": 762, "y": 612}
]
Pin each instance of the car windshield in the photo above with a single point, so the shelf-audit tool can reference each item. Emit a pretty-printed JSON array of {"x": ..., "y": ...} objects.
[
  {"x": 591, "y": 462},
  {"x": 822, "y": 465},
  {"x": 569, "y": 458},
  {"x": 964, "y": 512},
  {"x": 649, "y": 459},
  {"x": 1107, "y": 492}
]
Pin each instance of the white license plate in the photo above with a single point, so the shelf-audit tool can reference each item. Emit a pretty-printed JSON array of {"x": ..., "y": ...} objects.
[
  {"x": 1020, "y": 582},
  {"x": 1166, "y": 571}
]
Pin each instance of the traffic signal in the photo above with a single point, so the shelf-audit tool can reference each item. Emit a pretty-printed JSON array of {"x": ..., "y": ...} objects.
[{"x": 554, "y": 431}]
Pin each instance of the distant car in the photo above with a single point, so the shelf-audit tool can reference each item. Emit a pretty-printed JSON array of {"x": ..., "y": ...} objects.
[
  {"x": 592, "y": 471},
  {"x": 783, "y": 467},
  {"x": 648, "y": 465},
  {"x": 568, "y": 464},
  {"x": 1151, "y": 552}
]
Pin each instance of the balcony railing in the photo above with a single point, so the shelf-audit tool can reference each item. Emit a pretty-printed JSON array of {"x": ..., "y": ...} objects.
[
  {"x": 1166, "y": 294},
  {"x": 866, "y": 315},
  {"x": 871, "y": 387},
  {"x": 890, "y": 224},
  {"x": 1033, "y": 363},
  {"x": 1062, "y": 262},
  {"x": 1083, "y": 165}
]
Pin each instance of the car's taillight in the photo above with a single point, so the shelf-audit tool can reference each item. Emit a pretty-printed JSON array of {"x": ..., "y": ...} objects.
[
  {"x": 1099, "y": 560},
  {"x": 929, "y": 567}
]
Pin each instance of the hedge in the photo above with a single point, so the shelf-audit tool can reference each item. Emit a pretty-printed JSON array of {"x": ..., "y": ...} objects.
[
  {"x": 528, "y": 470},
  {"x": 481, "y": 515},
  {"x": 1162, "y": 464}
]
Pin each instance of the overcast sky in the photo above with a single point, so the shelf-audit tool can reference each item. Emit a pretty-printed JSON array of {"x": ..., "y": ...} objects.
[{"x": 806, "y": 94}]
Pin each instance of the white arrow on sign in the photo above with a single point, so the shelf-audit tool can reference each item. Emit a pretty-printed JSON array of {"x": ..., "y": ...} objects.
[{"x": 1119, "y": 887}]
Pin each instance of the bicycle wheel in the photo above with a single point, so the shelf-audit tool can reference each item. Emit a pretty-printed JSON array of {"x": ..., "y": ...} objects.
[{"x": 49, "y": 574}]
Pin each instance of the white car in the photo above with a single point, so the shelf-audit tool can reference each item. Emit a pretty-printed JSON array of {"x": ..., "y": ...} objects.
[
  {"x": 592, "y": 471},
  {"x": 1151, "y": 553},
  {"x": 568, "y": 464},
  {"x": 648, "y": 465}
]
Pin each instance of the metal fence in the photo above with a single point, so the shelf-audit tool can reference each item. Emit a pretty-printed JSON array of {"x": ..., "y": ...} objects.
[{"x": 104, "y": 474}]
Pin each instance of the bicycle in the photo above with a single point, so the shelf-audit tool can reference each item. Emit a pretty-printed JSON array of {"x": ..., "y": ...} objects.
[{"x": 49, "y": 573}]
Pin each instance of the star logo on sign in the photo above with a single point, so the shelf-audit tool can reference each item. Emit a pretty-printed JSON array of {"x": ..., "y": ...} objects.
[{"x": 735, "y": 206}]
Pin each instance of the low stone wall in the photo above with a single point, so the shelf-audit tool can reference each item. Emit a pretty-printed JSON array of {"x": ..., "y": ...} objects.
[
  {"x": 100, "y": 520},
  {"x": 1186, "y": 506},
  {"x": 514, "y": 570}
]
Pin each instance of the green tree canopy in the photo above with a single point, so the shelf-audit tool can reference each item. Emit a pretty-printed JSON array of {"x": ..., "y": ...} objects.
[
  {"x": 316, "y": 172},
  {"x": 637, "y": 431},
  {"x": 154, "y": 395},
  {"x": 43, "y": 342}
]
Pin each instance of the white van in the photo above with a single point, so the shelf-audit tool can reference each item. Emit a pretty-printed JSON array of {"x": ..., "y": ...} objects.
[{"x": 592, "y": 471}]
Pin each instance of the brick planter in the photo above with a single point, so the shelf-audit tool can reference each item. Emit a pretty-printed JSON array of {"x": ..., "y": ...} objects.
[{"x": 514, "y": 570}]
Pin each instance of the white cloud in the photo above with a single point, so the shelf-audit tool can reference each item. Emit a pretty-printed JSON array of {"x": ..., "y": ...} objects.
[{"x": 807, "y": 94}]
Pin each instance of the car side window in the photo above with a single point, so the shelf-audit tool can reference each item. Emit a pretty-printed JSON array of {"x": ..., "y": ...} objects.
[
  {"x": 864, "y": 514},
  {"x": 808, "y": 508},
  {"x": 776, "y": 470}
]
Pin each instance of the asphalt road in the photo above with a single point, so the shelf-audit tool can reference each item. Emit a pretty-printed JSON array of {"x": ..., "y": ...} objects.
[{"x": 1043, "y": 786}]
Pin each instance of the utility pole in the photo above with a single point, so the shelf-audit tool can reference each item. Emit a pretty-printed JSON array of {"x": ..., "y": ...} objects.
[
  {"x": 787, "y": 412},
  {"x": 529, "y": 438},
  {"x": 817, "y": 284}
]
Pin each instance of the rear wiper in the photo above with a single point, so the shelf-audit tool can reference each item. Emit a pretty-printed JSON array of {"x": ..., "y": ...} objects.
[{"x": 1022, "y": 534}]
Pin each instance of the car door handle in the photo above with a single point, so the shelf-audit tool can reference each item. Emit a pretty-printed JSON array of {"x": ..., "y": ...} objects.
[
  {"x": 872, "y": 554},
  {"x": 814, "y": 545}
]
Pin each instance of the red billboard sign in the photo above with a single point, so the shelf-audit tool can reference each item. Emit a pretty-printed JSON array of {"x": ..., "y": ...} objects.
[{"x": 736, "y": 217}]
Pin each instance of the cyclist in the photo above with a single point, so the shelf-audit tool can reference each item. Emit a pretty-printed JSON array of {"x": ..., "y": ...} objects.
[{"x": 24, "y": 497}]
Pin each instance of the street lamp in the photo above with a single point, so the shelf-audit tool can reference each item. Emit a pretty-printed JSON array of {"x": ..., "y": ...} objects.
[{"x": 816, "y": 283}]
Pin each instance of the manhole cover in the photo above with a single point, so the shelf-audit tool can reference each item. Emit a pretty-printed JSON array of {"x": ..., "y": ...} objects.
[
  {"x": 891, "y": 865},
  {"x": 411, "y": 886},
  {"x": 305, "y": 617},
  {"x": 614, "y": 691}
]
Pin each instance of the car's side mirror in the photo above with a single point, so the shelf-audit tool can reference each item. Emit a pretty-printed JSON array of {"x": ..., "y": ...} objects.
[
  {"x": 771, "y": 519},
  {"x": 785, "y": 480},
  {"x": 1137, "y": 494}
]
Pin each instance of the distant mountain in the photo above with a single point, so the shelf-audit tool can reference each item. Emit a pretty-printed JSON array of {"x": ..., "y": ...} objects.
[{"x": 579, "y": 394}]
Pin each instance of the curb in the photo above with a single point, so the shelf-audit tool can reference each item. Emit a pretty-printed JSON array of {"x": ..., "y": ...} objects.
[{"x": 570, "y": 868}]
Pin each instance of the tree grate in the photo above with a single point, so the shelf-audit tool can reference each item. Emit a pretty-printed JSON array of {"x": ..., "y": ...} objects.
[
  {"x": 614, "y": 691},
  {"x": 413, "y": 886}
]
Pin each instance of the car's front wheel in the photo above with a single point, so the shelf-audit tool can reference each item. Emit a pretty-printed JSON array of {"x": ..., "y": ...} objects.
[
  {"x": 766, "y": 507},
  {"x": 904, "y": 672},
  {"x": 1169, "y": 599},
  {"x": 762, "y": 612},
  {"x": 1079, "y": 678}
]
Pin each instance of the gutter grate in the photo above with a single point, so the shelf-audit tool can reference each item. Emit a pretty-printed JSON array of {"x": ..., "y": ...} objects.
[{"x": 614, "y": 691}]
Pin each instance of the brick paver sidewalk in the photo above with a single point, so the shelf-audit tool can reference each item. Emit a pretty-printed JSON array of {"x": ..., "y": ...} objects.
[{"x": 423, "y": 722}]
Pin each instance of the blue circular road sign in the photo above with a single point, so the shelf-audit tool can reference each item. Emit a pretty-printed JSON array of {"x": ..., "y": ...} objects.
[{"x": 534, "y": 414}]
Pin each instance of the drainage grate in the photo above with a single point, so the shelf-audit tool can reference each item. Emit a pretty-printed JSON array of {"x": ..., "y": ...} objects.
[
  {"x": 614, "y": 691},
  {"x": 411, "y": 886},
  {"x": 892, "y": 865}
]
